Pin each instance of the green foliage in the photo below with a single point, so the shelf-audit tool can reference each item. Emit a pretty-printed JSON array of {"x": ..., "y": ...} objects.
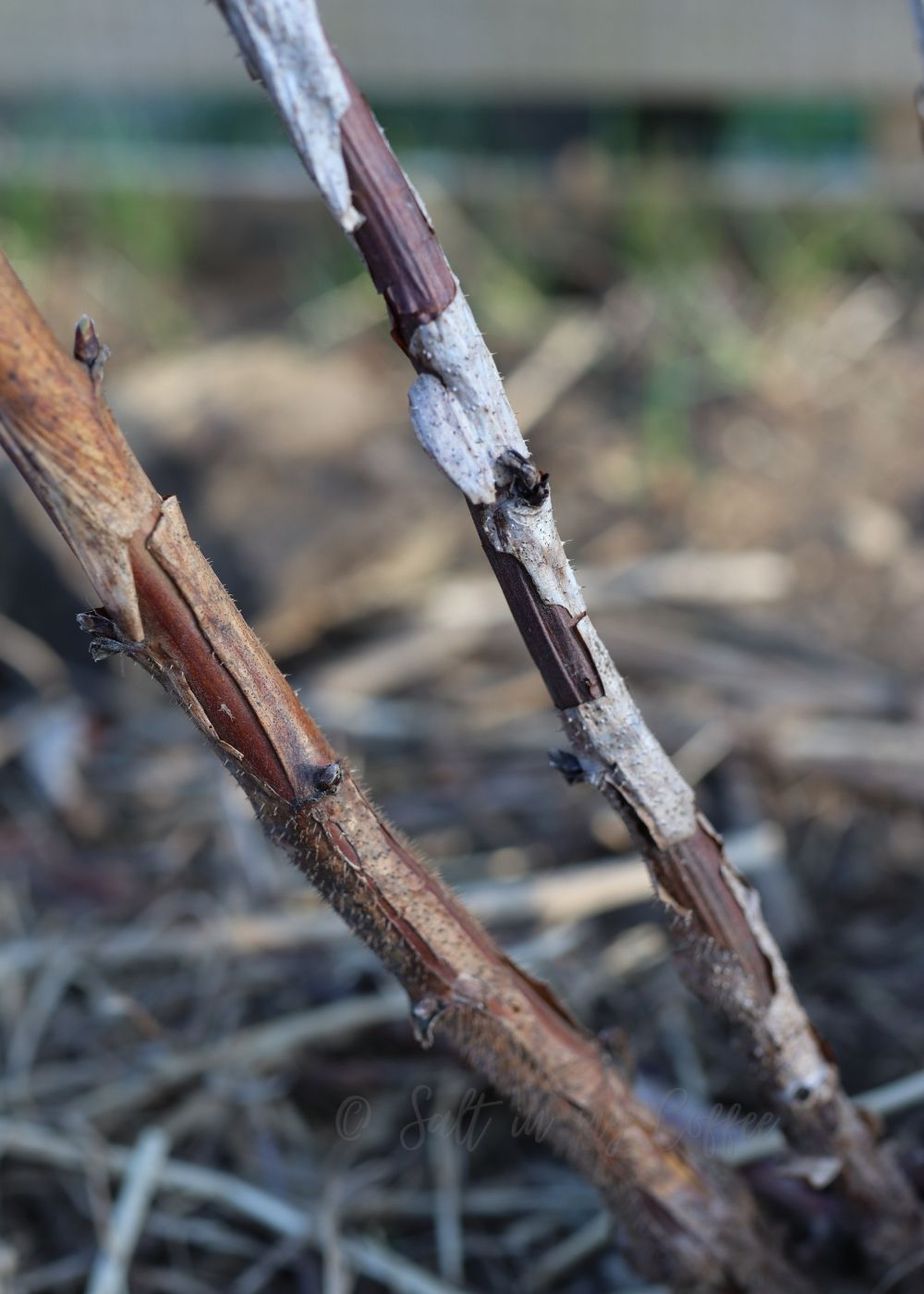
[
  {"x": 662, "y": 229},
  {"x": 665, "y": 412},
  {"x": 127, "y": 121},
  {"x": 795, "y": 130},
  {"x": 156, "y": 233},
  {"x": 29, "y": 220},
  {"x": 794, "y": 252}
]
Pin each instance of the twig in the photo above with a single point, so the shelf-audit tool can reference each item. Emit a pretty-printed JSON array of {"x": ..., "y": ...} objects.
[
  {"x": 875, "y": 759},
  {"x": 564, "y": 894},
  {"x": 441, "y": 630},
  {"x": 64, "y": 1271},
  {"x": 44, "y": 999},
  {"x": 567, "y": 1254},
  {"x": 203, "y": 1233},
  {"x": 248, "y": 1051},
  {"x": 463, "y": 419},
  {"x": 9, "y": 1262},
  {"x": 166, "y": 609},
  {"x": 894, "y": 1096},
  {"x": 337, "y": 1278},
  {"x": 735, "y": 673},
  {"x": 142, "y": 1171},
  {"x": 879, "y": 1102},
  {"x": 445, "y": 1155},
  {"x": 257, "y": 1276},
  {"x": 571, "y": 1207},
  {"x": 29, "y": 1141},
  {"x": 31, "y": 657},
  {"x": 556, "y": 900}
]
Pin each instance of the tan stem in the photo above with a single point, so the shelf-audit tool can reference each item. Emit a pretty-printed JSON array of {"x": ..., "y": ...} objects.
[{"x": 164, "y": 607}]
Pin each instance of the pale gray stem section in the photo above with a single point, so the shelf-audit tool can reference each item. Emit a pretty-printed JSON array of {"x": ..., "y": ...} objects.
[
  {"x": 464, "y": 421},
  {"x": 284, "y": 46}
]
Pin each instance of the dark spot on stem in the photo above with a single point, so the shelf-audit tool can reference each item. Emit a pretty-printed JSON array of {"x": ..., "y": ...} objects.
[
  {"x": 568, "y": 765},
  {"x": 522, "y": 478},
  {"x": 328, "y": 778},
  {"x": 88, "y": 349}
]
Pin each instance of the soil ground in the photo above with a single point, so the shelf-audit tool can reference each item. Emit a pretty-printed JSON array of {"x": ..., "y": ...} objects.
[{"x": 730, "y": 411}]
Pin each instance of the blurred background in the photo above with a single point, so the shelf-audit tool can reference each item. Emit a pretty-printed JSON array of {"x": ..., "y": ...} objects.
[{"x": 692, "y": 233}]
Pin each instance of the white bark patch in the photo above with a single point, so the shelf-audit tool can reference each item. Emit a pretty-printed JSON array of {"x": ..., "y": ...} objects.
[
  {"x": 450, "y": 439},
  {"x": 285, "y": 45},
  {"x": 612, "y": 732},
  {"x": 464, "y": 421},
  {"x": 468, "y": 424},
  {"x": 529, "y": 534}
]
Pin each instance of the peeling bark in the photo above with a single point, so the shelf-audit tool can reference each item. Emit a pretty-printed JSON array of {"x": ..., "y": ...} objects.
[
  {"x": 685, "y": 1221},
  {"x": 463, "y": 419}
]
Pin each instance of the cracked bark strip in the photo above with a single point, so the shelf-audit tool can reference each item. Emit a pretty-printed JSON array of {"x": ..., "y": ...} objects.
[
  {"x": 463, "y": 419},
  {"x": 686, "y": 1221}
]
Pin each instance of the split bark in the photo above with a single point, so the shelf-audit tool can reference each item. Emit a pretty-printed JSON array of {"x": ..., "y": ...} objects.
[
  {"x": 461, "y": 415},
  {"x": 687, "y": 1222}
]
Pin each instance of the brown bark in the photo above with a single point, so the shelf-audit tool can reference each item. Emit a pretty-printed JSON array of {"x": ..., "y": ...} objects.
[
  {"x": 720, "y": 940},
  {"x": 686, "y": 1222}
]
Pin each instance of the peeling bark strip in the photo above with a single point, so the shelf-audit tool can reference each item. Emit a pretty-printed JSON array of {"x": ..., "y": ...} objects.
[
  {"x": 462, "y": 418},
  {"x": 686, "y": 1222}
]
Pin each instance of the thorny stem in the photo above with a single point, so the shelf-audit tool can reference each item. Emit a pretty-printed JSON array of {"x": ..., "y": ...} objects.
[
  {"x": 686, "y": 1222},
  {"x": 461, "y": 415}
]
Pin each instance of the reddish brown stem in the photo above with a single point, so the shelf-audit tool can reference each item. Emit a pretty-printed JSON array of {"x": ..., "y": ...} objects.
[{"x": 685, "y": 1222}]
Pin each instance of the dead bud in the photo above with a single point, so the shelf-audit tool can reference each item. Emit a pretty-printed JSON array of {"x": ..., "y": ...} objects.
[
  {"x": 96, "y": 622},
  {"x": 615, "y": 1042},
  {"x": 522, "y": 477},
  {"x": 88, "y": 349},
  {"x": 328, "y": 778},
  {"x": 424, "y": 1014},
  {"x": 107, "y": 638},
  {"x": 570, "y": 767}
]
